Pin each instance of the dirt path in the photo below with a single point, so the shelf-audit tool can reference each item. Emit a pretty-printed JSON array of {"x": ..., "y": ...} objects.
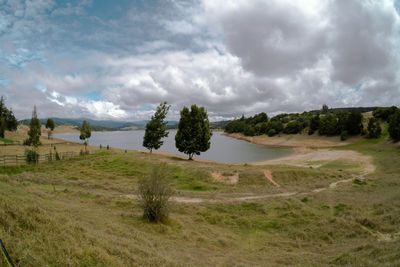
[
  {"x": 249, "y": 196},
  {"x": 300, "y": 159},
  {"x": 268, "y": 175}
]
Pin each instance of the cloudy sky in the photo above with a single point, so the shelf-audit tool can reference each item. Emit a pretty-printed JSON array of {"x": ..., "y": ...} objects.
[{"x": 119, "y": 59}]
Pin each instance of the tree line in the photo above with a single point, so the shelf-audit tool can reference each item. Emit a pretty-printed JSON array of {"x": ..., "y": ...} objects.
[
  {"x": 192, "y": 138},
  {"x": 326, "y": 122}
]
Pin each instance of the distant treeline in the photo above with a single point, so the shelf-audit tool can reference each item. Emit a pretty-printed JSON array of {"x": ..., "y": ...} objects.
[{"x": 329, "y": 122}]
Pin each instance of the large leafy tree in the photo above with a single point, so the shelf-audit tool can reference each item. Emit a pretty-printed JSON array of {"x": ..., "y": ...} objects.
[
  {"x": 374, "y": 129},
  {"x": 86, "y": 132},
  {"x": 353, "y": 124},
  {"x": 155, "y": 128},
  {"x": 394, "y": 126},
  {"x": 328, "y": 125},
  {"x": 314, "y": 124},
  {"x": 50, "y": 125},
  {"x": 34, "y": 132},
  {"x": 194, "y": 133},
  {"x": 7, "y": 118}
]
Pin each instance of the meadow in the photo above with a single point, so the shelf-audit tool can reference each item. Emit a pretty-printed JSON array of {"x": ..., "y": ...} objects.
[{"x": 79, "y": 212}]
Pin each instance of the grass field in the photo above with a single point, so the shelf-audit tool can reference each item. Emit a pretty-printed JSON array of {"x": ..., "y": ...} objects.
[{"x": 76, "y": 213}]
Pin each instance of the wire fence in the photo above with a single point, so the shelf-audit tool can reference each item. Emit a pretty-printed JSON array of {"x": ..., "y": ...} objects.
[{"x": 7, "y": 160}]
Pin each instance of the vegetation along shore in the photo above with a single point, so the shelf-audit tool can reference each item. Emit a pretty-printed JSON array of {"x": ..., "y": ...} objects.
[{"x": 308, "y": 208}]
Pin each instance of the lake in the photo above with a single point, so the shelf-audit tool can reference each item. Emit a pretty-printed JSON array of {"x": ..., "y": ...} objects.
[{"x": 223, "y": 148}]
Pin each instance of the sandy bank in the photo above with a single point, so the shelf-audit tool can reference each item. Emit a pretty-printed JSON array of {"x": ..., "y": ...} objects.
[{"x": 292, "y": 140}]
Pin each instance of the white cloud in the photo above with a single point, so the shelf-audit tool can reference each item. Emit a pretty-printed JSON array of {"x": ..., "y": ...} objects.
[{"x": 232, "y": 57}]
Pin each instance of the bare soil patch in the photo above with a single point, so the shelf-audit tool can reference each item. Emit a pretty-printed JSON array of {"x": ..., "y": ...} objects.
[
  {"x": 225, "y": 179},
  {"x": 268, "y": 175}
]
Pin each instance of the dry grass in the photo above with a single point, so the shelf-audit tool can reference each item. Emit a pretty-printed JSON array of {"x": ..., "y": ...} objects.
[{"x": 75, "y": 213}]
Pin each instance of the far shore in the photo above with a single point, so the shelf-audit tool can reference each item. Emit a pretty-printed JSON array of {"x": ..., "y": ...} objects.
[{"x": 298, "y": 140}]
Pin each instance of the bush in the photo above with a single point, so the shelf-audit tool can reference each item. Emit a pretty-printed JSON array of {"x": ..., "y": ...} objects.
[
  {"x": 344, "y": 135},
  {"x": 328, "y": 125},
  {"x": 394, "y": 126},
  {"x": 250, "y": 131},
  {"x": 154, "y": 194},
  {"x": 374, "y": 129},
  {"x": 271, "y": 132},
  {"x": 277, "y": 126},
  {"x": 31, "y": 156},
  {"x": 292, "y": 127}
]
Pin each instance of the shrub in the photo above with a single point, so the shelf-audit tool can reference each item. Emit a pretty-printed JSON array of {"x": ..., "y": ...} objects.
[
  {"x": 292, "y": 127},
  {"x": 250, "y": 131},
  {"x": 271, "y": 132},
  {"x": 328, "y": 125},
  {"x": 57, "y": 156},
  {"x": 277, "y": 126},
  {"x": 31, "y": 156},
  {"x": 344, "y": 135},
  {"x": 154, "y": 194},
  {"x": 374, "y": 129},
  {"x": 394, "y": 126}
]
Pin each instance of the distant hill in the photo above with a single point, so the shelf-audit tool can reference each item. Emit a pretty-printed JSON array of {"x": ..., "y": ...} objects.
[
  {"x": 99, "y": 125},
  {"x": 337, "y": 110}
]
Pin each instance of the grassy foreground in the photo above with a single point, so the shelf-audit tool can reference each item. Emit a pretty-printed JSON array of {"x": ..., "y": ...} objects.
[{"x": 76, "y": 213}]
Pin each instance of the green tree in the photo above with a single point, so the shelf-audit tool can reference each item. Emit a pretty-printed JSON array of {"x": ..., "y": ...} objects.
[
  {"x": 325, "y": 109},
  {"x": 10, "y": 122},
  {"x": 50, "y": 125},
  {"x": 353, "y": 123},
  {"x": 314, "y": 124},
  {"x": 394, "y": 126},
  {"x": 292, "y": 127},
  {"x": 328, "y": 125},
  {"x": 384, "y": 113},
  {"x": 155, "y": 128},
  {"x": 249, "y": 130},
  {"x": 276, "y": 125},
  {"x": 374, "y": 129},
  {"x": 85, "y": 133},
  {"x": 2, "y": 126},
  {"x": 193, "y": 135},
  {"x": 34, "y": 132}
]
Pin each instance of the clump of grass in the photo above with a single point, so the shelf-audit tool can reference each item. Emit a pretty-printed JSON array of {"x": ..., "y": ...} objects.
[
  {"x": 154, "y": 194},
  {"x": 31, "y": 156}
]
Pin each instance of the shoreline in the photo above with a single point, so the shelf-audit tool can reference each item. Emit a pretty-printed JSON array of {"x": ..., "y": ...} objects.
[
  {"x": 306, "y": 151},
  {"x": 291, "y": 141}
]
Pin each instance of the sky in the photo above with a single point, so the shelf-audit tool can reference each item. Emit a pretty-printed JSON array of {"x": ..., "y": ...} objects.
[{"x": 117, "y": 60}]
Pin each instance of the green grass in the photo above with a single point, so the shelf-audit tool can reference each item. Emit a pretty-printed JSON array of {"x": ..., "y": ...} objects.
[
  {"x": 75, "y": 213},
  {"x": 6, "y": 141}
]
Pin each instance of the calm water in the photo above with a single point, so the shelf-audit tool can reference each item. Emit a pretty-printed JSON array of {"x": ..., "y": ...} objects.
[{"x": 223, "y": 148}]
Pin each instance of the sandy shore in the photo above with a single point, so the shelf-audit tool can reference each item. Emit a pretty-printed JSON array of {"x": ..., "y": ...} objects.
[
  {"x": 292, "y": 140},
  {"x": 309, "y": 151}
]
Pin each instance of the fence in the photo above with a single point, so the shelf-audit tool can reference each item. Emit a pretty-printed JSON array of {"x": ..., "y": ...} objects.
[{"x": 6, "y": 160}]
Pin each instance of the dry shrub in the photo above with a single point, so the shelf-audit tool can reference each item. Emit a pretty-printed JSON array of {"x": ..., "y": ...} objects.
[{"x": 154, "y": 194}]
